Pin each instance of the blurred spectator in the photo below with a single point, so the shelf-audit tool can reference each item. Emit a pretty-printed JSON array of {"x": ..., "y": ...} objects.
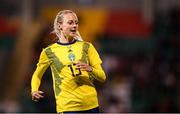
[{"x": 142, "y": 72}]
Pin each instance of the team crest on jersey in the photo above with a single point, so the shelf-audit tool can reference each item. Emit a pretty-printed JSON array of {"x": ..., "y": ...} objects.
[{"x": 71, "y": 57}]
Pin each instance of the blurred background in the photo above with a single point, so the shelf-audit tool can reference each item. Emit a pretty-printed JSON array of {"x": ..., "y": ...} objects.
[{"x": 138, "y": 41}]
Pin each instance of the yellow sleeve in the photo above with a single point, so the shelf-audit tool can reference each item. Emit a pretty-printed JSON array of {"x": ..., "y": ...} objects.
[
  {"x": 40, "y": 69},
  {"x": 98, "y": 73},
  {"x": 95, "y": 62}
]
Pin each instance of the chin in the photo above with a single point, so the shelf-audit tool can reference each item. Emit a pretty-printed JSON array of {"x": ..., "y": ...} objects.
[{"x": 71, "y": 37}]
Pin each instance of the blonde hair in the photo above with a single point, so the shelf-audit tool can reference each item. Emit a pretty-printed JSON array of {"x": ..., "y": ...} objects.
[{"x": 59, "y": 19}]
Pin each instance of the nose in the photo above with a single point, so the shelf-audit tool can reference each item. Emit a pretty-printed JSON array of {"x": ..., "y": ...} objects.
[{"x": 75, "y": 25}]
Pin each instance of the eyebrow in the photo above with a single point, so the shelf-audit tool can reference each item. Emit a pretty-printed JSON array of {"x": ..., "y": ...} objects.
[{"x": 73, "y": 20}]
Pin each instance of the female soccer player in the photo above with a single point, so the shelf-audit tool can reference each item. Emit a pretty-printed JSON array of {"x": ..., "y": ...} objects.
[{"x": 74, "y": 64}]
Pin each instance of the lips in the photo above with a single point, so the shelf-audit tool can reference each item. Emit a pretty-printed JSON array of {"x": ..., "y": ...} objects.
[{"x": 73, "y": 30}]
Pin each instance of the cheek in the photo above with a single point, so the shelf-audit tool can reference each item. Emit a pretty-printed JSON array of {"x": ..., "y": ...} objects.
[{"x": 65, "y": 29}]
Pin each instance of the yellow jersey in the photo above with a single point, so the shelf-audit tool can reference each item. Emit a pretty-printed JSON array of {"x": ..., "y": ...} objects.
[{"x": 74, "y": 89}]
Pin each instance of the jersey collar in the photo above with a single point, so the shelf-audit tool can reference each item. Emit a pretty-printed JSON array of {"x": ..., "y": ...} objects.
[{"x": 67, "y": 43}]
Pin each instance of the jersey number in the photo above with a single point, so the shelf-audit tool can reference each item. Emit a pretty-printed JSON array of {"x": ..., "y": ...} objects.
[{"x": 72, "y": 71}]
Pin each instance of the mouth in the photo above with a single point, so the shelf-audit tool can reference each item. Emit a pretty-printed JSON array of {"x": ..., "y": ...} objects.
[{"x": 73, "y": 30}]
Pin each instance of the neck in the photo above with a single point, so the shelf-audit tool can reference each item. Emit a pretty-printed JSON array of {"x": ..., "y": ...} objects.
[{"x": 65, "y": 39}]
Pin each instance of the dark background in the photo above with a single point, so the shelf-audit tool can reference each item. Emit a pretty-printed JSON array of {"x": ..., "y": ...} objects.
[{"x": 138, "y": 41}]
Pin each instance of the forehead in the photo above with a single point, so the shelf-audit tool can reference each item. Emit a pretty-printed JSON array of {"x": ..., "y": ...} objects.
[{"x": 70, "y": 16}]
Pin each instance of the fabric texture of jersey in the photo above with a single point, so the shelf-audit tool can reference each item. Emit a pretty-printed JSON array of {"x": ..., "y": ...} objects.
[{"x": 74, "y": 89}]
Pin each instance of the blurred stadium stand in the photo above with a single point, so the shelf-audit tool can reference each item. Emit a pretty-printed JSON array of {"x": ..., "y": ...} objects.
[{"x": 138, "y": 40}]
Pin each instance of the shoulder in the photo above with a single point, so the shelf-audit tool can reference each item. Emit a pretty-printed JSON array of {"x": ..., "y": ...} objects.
[
  {"x": 51, "y": 46},
  {"x": 84, "y": 43}
]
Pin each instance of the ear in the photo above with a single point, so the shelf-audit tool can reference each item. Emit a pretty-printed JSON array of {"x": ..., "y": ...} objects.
[{"x": 60, "y": 28}]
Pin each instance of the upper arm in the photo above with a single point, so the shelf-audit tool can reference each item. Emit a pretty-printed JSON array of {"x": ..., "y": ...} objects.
[{"x": 93, "y": 55}]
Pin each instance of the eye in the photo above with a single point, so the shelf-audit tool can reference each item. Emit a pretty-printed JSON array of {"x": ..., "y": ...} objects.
[
  {"x": 77, "y": 22},
  {"x": 70, "y": 22}
]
